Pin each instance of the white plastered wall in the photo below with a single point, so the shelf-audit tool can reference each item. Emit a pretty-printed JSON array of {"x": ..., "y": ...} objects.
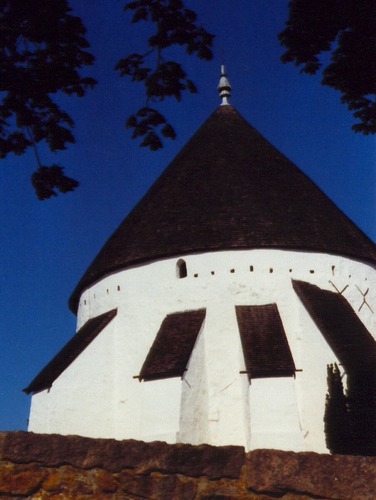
[{"x": 97, "y": 395}]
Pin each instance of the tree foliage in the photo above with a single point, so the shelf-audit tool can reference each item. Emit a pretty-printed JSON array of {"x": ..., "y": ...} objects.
[
  {"x": 336, "y": 413},
  {"x": 42, "y": 49},
  {"x": 347, "y": 30},
  {"x": 361, "y": 401},
  {"x": 174, "y": 25},
  {"x": 350, "y": 417}
]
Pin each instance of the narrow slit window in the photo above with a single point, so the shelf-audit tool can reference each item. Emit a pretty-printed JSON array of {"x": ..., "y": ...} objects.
[{"x": 181, "y": 268}]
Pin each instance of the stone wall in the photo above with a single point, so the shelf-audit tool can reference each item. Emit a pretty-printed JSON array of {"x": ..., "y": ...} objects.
[{"x": 59, "y": 467}]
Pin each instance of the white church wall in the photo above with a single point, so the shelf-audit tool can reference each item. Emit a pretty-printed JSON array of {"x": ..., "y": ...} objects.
[
  {"x": 274, "y": 414},
  {"x": 312, "y": 381},
  {"x": 226, "y": 399},
  {"x": 219, "y": 281},
  {"x": 163, "y": 424},
  {"x": 143, "y": 410},
  {"x": 80, "y": 401},
  {"x": 194, "y": 406}
]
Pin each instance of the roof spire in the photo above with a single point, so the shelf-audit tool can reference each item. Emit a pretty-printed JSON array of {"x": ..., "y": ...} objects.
[{"x": 224, "y": 87}]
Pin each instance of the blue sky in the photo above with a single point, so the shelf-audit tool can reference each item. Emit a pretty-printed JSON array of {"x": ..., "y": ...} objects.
[{"x": 48, "y": 245}]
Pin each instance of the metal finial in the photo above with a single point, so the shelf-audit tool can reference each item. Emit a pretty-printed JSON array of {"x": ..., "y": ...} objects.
[{"x": 224, "y": 87}]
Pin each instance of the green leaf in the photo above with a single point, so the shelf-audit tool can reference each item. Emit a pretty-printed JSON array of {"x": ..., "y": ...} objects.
[
  {"x": 141, "y": 14},
  {"x": 191, "y": 87},
  {"x": 46, "y": 180},
  {"x": 168, "y": 131},
  {"x": 131, "y": 121},
  {"x": 152, "y": 141}
]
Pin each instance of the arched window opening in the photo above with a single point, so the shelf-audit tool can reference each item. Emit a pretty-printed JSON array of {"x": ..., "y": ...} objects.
[{"x": 181, "y": 269}]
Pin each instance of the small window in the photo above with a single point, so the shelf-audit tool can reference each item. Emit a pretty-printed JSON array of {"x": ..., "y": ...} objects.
[
  {"x": 251, "y": 269},
  {"x": 181, "y": 269}
]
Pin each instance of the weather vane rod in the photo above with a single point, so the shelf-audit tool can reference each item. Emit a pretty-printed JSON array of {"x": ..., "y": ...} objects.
[{"x": 224, "y": 87}]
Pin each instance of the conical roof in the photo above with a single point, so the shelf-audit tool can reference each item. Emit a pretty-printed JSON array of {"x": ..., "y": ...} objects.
[{"x": 227, "y": 189}]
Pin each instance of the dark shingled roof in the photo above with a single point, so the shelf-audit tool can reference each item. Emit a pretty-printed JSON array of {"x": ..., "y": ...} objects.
[
  {"x": 228, "y": 188},
  {"x": 349, "y": 339},
  {"x": 69, "y": 352},
  {"x": 172, "y": 348},
  {"x": 265, "y": 346}
]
